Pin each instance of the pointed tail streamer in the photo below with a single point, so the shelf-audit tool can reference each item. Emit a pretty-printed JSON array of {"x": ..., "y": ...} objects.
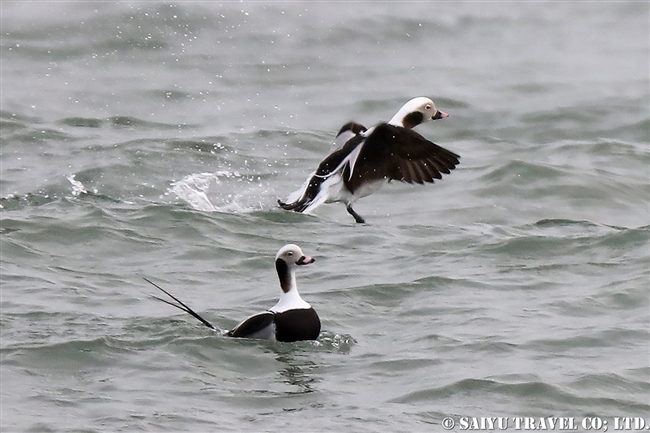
[{"x": 181, "y": 305}]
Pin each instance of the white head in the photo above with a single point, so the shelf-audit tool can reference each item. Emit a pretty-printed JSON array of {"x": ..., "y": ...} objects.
[
  {"x": 286, "y": 260},
  {"x": 416, "y": 111},
  {"x": 291, "y": 255}
]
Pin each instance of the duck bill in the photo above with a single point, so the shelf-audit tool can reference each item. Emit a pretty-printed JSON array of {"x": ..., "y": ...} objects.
[
  {"x": 305, "y": 260},
  {"x": 439, "y": 115}
]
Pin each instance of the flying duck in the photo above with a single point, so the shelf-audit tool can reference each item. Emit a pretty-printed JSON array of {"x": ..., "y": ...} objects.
[
  {"x": 291, "y": 319},
  {"x": 362, "y": 160}
]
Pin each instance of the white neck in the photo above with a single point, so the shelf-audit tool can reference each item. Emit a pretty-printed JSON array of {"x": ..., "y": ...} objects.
[
  {"x": 291, "y": 299},
  {"x": 399, "y": 117}
]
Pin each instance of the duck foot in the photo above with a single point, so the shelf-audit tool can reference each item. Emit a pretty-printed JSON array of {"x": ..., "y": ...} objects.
[{"x": 356, "y": 216}]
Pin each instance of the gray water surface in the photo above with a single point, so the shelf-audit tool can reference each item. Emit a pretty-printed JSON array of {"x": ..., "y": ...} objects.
[{"x": 148, "y": 139}]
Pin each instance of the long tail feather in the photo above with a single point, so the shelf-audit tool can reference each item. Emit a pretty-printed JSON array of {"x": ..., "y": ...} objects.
[{"x": 181, "y": 305}]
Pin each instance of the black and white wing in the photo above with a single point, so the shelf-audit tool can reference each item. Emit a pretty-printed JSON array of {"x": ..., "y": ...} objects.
[
  {"x": 259, "y": 325},
  {"x": 396, "y": 153},
  {"x": 347, "y": 139}
]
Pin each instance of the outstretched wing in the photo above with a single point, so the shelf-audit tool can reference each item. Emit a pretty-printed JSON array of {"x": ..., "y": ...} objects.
[
  {"x": 396, "y": 153},
  {"x": 347, "y": 132}
]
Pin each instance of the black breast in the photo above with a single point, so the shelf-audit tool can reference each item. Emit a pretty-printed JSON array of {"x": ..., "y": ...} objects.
[{"x": 295, "y": 325}]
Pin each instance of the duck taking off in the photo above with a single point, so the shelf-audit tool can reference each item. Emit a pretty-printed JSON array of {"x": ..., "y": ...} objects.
[
  {"x": 363, "y": 160},
  {"x": 291, "y": 319}
]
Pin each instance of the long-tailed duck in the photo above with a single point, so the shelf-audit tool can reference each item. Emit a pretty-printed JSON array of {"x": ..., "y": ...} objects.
[
  {"x": 363, "y": 160},
  {"x": 291, "y": 319}
]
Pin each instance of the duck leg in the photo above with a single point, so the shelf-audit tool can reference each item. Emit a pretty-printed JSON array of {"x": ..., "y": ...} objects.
[{"x": 356, "y": 216}]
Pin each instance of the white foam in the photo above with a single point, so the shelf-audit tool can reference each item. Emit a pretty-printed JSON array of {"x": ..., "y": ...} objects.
[
  {"x": 78, "y": 188},
  {"x": 203, "y": 191}
]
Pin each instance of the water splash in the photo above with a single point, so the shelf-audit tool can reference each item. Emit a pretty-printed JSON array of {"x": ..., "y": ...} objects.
[
  {"x": 78, "y": 188},
  {"x": 192, "y": 189},
  {"x": 341, "y": 343},
  {"x": 213, "y": 192}
]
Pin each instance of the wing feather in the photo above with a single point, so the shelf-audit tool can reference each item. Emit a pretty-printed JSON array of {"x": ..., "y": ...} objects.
[
  {"x": 396, "y": 153},
  {"x": 252, "y": 325}
]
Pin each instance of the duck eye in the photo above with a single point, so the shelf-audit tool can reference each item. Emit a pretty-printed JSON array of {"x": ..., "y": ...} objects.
[
  {"x": 289, "y": 253},
  {"x": 427, "y": 107}
]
